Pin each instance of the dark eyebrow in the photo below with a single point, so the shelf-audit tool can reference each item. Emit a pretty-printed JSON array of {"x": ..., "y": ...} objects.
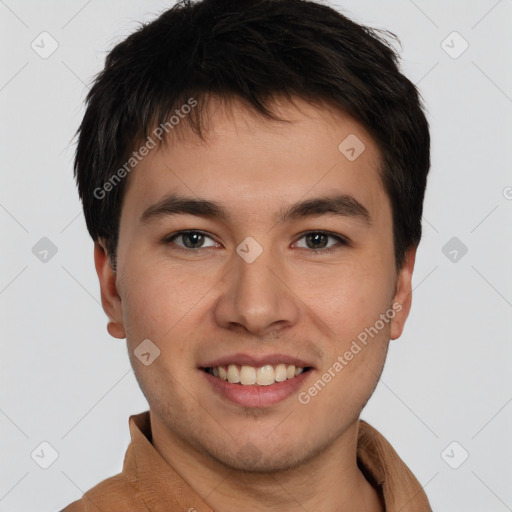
[
  {"x": 342, "y": 205},
  {"x": 174, "y": 204}
]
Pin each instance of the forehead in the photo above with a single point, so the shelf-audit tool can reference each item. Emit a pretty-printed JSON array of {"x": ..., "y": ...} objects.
[{"x": 249, "y": 163}]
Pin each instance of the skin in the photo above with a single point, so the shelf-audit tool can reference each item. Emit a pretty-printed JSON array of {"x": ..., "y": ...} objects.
[{"x": 201, "y": 304}]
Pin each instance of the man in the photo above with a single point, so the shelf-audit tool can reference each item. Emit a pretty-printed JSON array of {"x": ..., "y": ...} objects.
[{"x": 252, "y": 173}]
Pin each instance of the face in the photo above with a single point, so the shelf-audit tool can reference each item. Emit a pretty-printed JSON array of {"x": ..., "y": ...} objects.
[{"x": 252, "y": 287}]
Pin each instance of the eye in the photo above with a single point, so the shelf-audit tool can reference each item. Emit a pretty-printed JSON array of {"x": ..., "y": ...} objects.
[
  {"x": 315, "y": 240},
  {"x": 318, "y": 240},
  {"x": 190, "y": 240}
]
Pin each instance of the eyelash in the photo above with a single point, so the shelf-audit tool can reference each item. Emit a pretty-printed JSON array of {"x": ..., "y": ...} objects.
[{"x": 342, "y": 241}]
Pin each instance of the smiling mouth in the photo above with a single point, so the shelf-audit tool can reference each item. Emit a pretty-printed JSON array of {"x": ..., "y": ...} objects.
[{"x": 262, "y": 376}]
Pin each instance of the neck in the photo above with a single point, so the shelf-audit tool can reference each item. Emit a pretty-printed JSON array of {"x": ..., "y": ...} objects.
[{"x": 329, "y": 482}]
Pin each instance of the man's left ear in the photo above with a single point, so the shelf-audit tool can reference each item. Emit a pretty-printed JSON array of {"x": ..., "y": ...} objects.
[{"x": 403, "y": 294}]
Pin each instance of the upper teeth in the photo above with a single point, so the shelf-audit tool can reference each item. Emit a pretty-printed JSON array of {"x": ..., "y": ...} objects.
[{"x": 262, "y": 376}]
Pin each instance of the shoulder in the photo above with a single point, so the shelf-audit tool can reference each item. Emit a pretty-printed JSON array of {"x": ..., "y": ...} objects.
[{"x": 115, "y": 494}]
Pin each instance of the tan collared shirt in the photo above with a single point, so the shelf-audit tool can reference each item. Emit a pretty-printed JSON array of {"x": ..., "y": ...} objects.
[{"x": 148, "y": 483}]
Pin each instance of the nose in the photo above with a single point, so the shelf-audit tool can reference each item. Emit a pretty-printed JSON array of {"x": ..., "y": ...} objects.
[{"x": 257, "y": 297}]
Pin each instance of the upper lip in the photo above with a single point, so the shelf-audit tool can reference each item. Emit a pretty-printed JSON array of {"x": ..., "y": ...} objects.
[{"x": 256, "y": 360}]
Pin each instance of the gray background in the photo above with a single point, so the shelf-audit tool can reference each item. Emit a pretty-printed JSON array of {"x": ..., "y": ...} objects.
[{"x": 65, "y": 381}]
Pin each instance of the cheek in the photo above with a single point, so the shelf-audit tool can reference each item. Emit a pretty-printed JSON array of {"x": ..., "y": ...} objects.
[
  {"x": 161, "y": 305},
  {"x": 158, "y": 297},
  {"x": 352, "y": 296},
  {"x": 359, "y": 337}
]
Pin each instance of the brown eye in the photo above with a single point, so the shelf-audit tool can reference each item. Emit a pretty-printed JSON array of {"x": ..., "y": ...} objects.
[
  {"x": 318, "y": 241},
  {"x": 190, "y": 240}
]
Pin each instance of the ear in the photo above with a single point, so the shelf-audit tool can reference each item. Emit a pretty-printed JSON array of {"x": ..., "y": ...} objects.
[
  {"x": 110, "y": 299},
  {"x": 403, "y": 294}
]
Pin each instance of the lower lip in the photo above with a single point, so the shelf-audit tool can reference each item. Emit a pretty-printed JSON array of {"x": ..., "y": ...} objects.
[{"x": 256, "y": 396}]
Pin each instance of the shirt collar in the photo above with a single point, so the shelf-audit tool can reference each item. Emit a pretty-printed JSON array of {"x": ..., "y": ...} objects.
[{"x": 146, "y": 469}]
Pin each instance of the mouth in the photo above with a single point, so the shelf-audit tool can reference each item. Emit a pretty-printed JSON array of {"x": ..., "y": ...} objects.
[
  {"x": 265, "y": 375},
  {"x": 256, "y": 380}
]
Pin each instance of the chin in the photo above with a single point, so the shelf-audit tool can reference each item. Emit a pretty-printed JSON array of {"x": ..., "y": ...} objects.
[{"x": 264, "y": 460}]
